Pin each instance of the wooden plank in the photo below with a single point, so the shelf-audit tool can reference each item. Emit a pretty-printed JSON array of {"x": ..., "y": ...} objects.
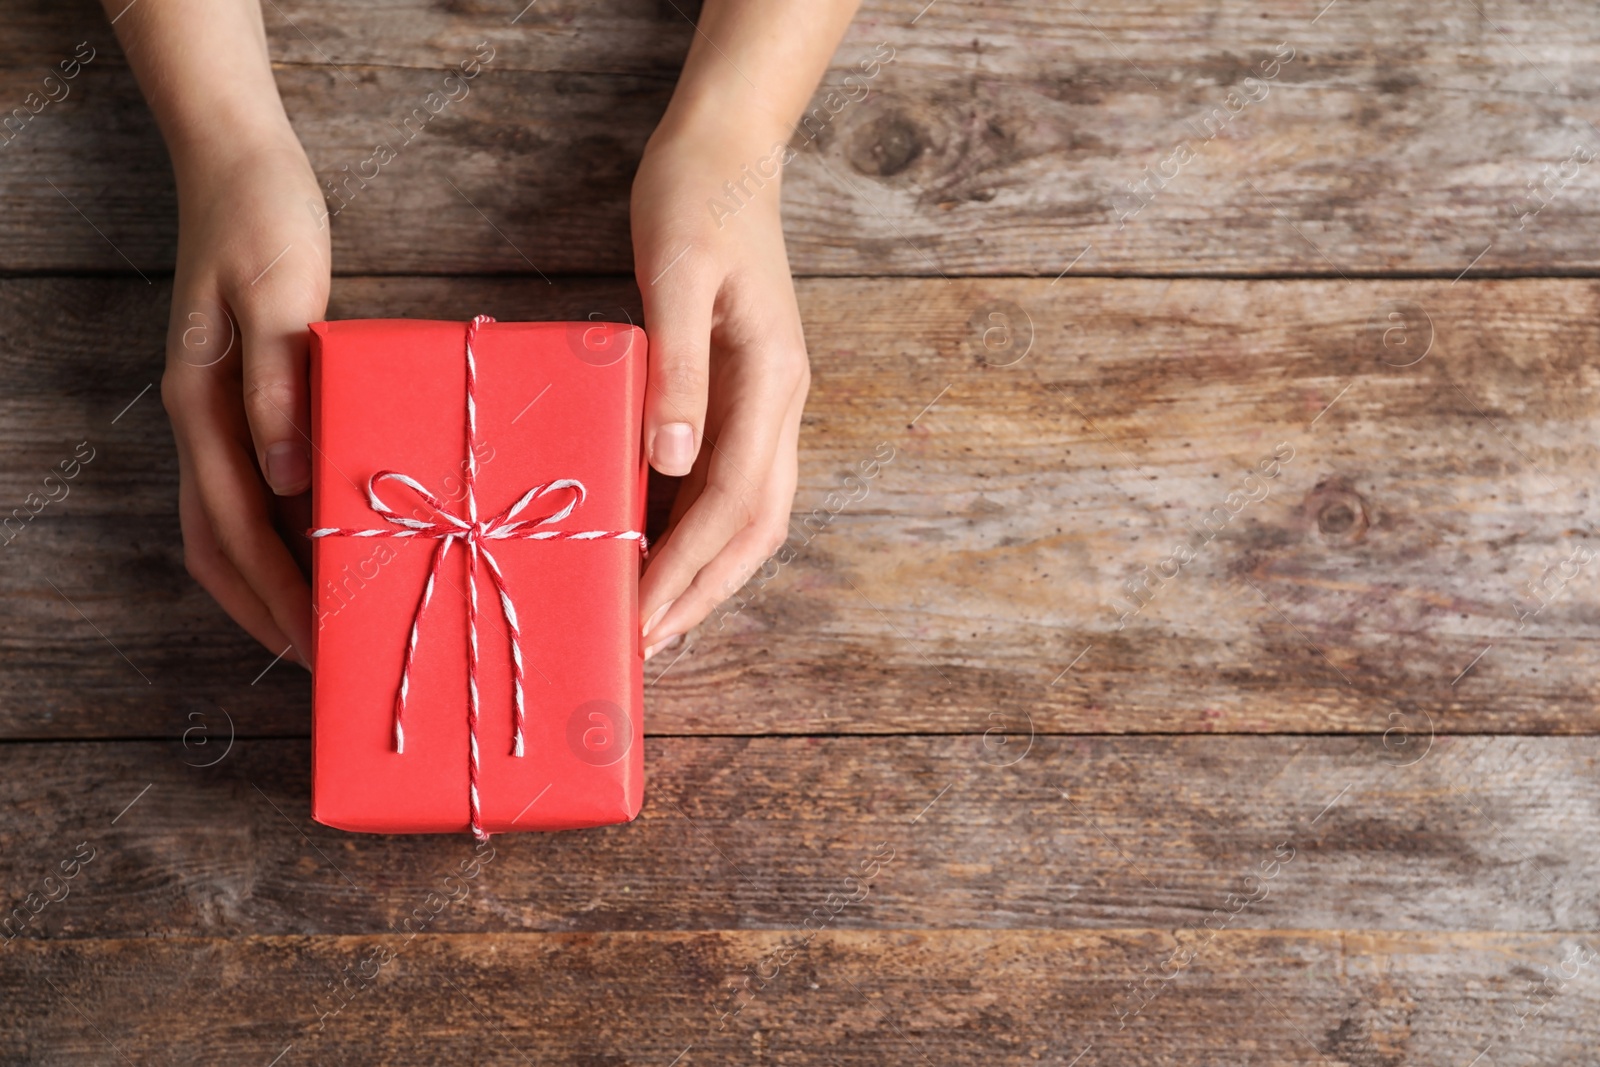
[
  {"x": 985, "y": 567},
  {"x": 106, "y": 634},
  {"x": 603, "y": 36},
  {"x": 1001, "y": 139},
  {"x": 946, "y": 997},
  {"x": 1010, "y": 832}
]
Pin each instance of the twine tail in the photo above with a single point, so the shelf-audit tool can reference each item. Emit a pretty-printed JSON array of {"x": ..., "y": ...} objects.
[
  {"x": 508, "y": 609},
  {"x": 474, "y": 805},
  {"x": 411, "y": 645},
  {"x": 475, "y": 809}
]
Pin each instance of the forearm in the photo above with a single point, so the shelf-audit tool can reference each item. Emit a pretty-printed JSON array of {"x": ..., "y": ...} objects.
[
  {"x": 753, "y": 66},
  {"x": 204, "y": 70}
]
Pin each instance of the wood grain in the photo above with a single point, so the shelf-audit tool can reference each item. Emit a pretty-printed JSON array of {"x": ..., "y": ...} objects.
[
  {"x": 1380, "y": 578},
  {"x": 1001, "y": 139},
  {"x": 195, "y": 838},
  {"x": 846, "y": 997},
  {"x": 983, "y": 769}
]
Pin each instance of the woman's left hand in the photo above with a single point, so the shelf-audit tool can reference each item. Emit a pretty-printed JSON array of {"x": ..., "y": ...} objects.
[{"x": 728, "y": 367}]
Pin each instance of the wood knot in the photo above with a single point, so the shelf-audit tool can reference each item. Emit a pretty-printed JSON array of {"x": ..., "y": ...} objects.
[
  {"x": 1339, "y": 512},
  {"x": 886, "y": 146}
]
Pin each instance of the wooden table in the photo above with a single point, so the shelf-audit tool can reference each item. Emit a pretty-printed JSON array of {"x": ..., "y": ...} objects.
[{"x": 1072, "y": 738}]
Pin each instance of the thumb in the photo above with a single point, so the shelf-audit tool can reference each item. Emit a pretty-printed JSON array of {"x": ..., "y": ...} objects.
[
  {"x": 276, "y": 388},
  {"x": 677, "y": 320}
]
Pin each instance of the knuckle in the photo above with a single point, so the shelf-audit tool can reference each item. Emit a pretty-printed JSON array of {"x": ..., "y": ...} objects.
[
  {"x": 682, "y": 378},
  {"x": 291, "y": 282},
  {"x": 171, "y": 393},
  {"x": 308, "y": 290},
  {"x": 786, "y": 367},
  {"x": 802, "y": 374},
  {"x": 201, "y": 333},
  {"x": 201, "y": 565},
  {"x": 794, "y": 364},
  {"x": 773, "y": 533},
  {"x": 729, "y": 585},
  {"x": 269, "y": 400},
  {"x": 735, "y": 502},
  {"x": 232, "y": 544},
  {"x": 185, "y": 391}
]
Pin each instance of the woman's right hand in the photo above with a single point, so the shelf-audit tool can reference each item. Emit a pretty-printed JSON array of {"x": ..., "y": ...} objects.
[{"x": 253, "y": 270}]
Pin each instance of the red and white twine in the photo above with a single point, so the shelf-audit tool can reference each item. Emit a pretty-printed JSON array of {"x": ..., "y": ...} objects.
[{"x": 475, "y": 535}]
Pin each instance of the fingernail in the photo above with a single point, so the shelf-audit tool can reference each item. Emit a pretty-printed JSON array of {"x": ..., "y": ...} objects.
[
  {"x": 659, "y": 645},
  {"x": 288, "y": 468},
  {"x": 672, "y": 452},
  {"x": 660, "y": 612}
]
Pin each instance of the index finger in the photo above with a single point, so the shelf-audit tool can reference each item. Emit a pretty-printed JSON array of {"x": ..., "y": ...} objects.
[
  {"x": 727, "y": 504},
  {"x": 234, "y": 500}
]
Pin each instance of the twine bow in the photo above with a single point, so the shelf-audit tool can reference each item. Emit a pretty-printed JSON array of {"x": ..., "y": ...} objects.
[{"x": 475, "y": 535}]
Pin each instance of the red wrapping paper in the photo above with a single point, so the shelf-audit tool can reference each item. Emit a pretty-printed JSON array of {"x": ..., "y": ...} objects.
[{"x": 554, "y": 401}]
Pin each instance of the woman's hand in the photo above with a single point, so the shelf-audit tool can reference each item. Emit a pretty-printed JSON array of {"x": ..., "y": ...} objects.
[
  {"x": 728, "y": 368},
  {"x": 253, "y": 270}
]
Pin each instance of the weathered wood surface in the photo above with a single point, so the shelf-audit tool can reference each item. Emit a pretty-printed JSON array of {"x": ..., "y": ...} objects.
[
  {"x": 1357, "y": 998},
  {"x": 946, "y": 647},
  {"x": 1001, "y": 139},
  {"x": 1029, "y": 481},
  {"x": 201, "y": 838}
]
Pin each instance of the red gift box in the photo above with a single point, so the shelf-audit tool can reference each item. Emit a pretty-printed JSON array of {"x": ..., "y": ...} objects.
[{"x": 538, "y": 518}]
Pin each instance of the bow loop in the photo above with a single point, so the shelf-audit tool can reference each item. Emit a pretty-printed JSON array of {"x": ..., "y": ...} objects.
[
  {"x": 389, "y": 514},
  {"x": 506, "y": 524}
]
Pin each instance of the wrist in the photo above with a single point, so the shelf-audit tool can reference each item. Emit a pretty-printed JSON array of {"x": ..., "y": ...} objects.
[
  {"x": 204, "y": 68},
  {"x": 720, "y": 124},
  {"x": 226, "y": 136},
  {"x": 788, "y": 43}
]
